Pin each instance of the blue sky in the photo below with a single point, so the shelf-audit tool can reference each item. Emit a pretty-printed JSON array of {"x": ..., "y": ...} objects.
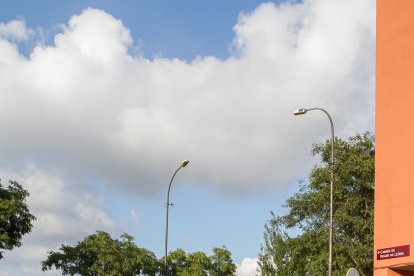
[
  {"x": 179, "y": 29},
  {"x": 101, "y": 100}
]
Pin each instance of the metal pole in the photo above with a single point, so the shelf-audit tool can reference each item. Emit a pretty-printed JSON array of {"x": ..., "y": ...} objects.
[
  {"x": 183, "y": 164},
  {"x": 332, "y": 186},
  {"x": 302, "y": 111}
]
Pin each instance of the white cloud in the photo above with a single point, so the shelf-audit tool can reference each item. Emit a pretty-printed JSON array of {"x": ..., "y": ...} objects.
[
  {"x": 60, "y": 209},
  {"x": 83, "y": 35},
  {"x": 136, "y": 217},
  {"x": 86, "y": 106},
  {"x": 65, "y": 213},
  {"x": 248, "y": 267},
  {"x": 15, "y": 30},
  {"x": 86, "y": 109}
]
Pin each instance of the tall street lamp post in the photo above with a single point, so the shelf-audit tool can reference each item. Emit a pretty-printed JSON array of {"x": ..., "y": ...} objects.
[
  {"x": 183, "y": 164},
  {"x": 303, "y": 111}
]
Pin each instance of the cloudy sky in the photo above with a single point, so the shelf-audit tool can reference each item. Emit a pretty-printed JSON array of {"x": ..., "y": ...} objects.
[{"x": 100, "y": 101}]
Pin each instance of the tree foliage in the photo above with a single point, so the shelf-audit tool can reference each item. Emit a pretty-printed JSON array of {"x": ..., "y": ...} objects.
[
  {"x": 297, "y": 243},
  {"x": 99, "y": 254},
  {"x": 15, "y": 217},
  {"x": 219, "y": 263}
]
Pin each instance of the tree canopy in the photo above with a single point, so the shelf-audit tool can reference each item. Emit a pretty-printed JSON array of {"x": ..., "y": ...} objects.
[
  {"x": 297, "y": 243},
  {"x": 198, "y": 263},
  {"x": 99, "y": 254},
  {"x": 15, "y": 217}
]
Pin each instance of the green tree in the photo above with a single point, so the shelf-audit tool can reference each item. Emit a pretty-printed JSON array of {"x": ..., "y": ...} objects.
[
  {"x": 221, "y": 262},
  {"x": 199, "y": 264},
  {"x": 99, "y": 254},
  {"x": 177, "y": 261},
  {"x": 297, "y": 243},
  {"x": 15, "y": 217}
]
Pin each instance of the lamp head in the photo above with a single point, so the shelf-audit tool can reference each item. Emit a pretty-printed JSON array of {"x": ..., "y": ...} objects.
[
  {"x": 184, "y": 163},
  {"x": 300, "y": 111}
]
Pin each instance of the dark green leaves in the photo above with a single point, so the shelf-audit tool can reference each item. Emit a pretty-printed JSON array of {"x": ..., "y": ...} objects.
[
  {"x": 306, "y": 251},
  {"x": 198, "y": 263},
  {"x": 15, "y": 218},
  {"x": 99, "y": 254}
]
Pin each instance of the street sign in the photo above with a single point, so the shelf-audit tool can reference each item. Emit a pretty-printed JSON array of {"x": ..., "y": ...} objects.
[{"x": 393, "y": 252}]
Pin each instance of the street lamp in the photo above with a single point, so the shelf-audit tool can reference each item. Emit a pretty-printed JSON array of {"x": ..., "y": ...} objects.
[
  {"x": 183, "y": 164},
  {"x": 303, "y": 111}
]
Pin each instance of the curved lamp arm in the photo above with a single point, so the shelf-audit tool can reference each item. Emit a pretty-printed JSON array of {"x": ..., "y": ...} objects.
[
  {"x": 183, "y": 164},
  {"x": 303, "y": 111}
]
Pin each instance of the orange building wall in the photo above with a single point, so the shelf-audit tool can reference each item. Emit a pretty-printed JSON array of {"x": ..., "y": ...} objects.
[{"x": 394, "y": 161}]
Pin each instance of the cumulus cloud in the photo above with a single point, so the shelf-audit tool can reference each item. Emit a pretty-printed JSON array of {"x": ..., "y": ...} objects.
[
  {"x": 87, "y": 106},
  {"x": 86, "y": 109},
  {"x": 62, "y": 210},
  {"x": 15, "y": 30},
  {"x": 248, "y": 267},
  {"x": 65, "y": 214}
]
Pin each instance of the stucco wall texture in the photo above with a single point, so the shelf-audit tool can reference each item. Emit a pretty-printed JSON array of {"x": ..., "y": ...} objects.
[{"x": 394, "y": 160}]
